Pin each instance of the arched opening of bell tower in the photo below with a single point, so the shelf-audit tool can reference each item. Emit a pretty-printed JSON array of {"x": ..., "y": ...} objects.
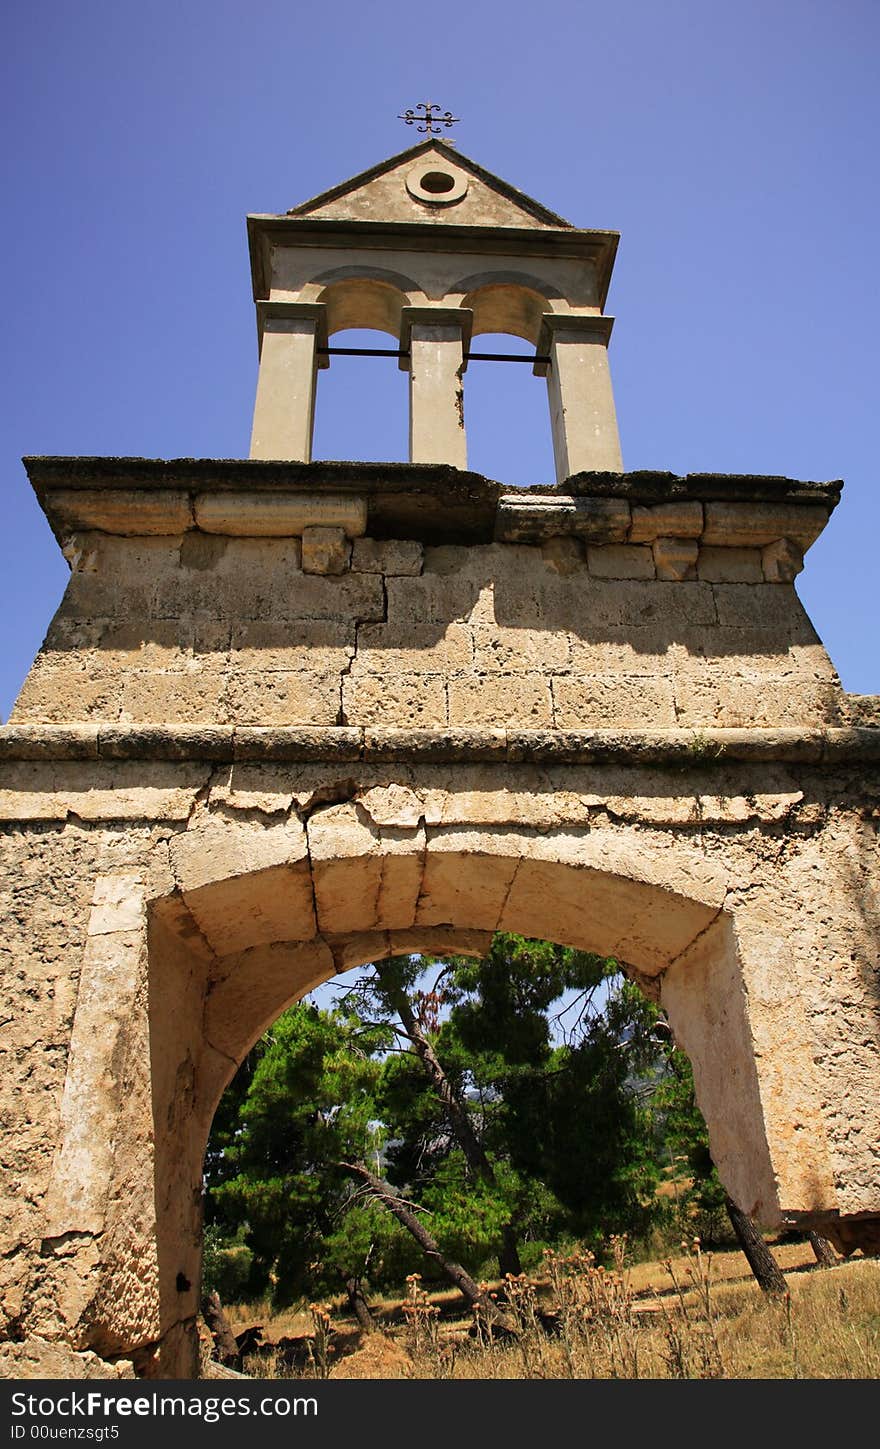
[{"x": 361, "y": 410}]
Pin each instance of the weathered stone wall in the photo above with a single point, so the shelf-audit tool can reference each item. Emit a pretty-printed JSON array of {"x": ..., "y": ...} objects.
[
  {"x": 637, "y": 615},
  {"x": 243, "y": 763},
  {"x": 742, "y": 892}
]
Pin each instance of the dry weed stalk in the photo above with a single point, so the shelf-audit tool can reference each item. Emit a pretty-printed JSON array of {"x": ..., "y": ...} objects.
[
  {"x": 319, "y": 1344},
  {"x": 483, "y": 1326},
  {"x": 792, "y": 1338},
  {"x": 422, "y": 1328},
  {"x": 692, "y": 1349},
  {"x": 521, "y": 1293},
  {"x": 595, "y": 1307}
]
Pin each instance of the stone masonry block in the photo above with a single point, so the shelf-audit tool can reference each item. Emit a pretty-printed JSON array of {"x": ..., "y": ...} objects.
[
  {"x": 417, "y": 700},
  {"x": 145, "y": 644},
  {"x": 278, "y": 515},
  {"x": 315, "y": 646},
  {"x": 632, "y": 605},
  {"x": 618, "y": 650},
  {"x": 283, "y": 697},
  {"x": 67, "y": 696},
  {"x": 753, "y": 524},
  {"x": 325, "y": 551},
  {"x": 755, "y": 701},
  {"x": 666, "y": 520},
  {"x": 261, "y": 579},
  {"x": 730, "y": 565},
  {"x": 180, "y": 698},
  {"x": 563, "y": 555},
  {"x": 395, "y": 556},
  {"x": 782, "y": 561},
  {"x": 413, "y": 649},
  {"x": 125, "y": 511},
  {"x": 499, "y": 651},
  {"x": 614, "y": 701},
  {"x": 349, "y": 597},
  {"x": 620, "y": 561},
  {"x": 436, "y": 598},
  {"x": 764, "y": 606},
  {"x": 675, "y": 558},
  {"x": 517, "y": 699},
  {"x": 117, "y": 904},
  {"x": 532, "y": 519}
]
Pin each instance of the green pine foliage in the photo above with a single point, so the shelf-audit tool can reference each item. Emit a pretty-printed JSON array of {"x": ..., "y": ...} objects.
[
  {"x": 683, "y": 1130},
  {"x": 555, "y": 1060},
  {"x": 301, "y": 1106}
]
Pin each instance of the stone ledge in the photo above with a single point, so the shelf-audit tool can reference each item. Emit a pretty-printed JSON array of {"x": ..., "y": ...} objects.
[
  {"x": 674, "y": 748},
  {"x": 426, "y": 502}
]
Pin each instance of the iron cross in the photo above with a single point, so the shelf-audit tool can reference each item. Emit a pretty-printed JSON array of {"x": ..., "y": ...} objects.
[{"x": 433, "y": 124}]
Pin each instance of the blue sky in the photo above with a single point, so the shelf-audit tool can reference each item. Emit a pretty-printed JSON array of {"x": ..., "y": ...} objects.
[{"x": 734, "y": 147}]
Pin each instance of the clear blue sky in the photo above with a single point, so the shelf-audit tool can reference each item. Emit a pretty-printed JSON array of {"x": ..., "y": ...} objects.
[{"x": 733, "y": 146}]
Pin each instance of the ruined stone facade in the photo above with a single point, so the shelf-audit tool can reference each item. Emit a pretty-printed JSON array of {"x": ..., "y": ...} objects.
[{"x": 292, "y": 717}]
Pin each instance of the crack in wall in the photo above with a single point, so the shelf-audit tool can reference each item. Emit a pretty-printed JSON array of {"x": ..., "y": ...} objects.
[
  {"x": 203, "y": 794},
  {"x": 510, "y": 885},
  {"x": 338, "y": 792},
  {"x": 346, "y": 671},
  {"x": 236, "y": 1062},
  {"x": 420, "y": 856},
  {"x": 312, "y": 890},
  {"x": 699, "y": 935}
]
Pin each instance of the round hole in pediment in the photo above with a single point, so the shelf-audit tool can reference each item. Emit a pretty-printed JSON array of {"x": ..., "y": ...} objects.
[
  {"x": 437, "y": 182},
  {"x": 436, "y": 185}
]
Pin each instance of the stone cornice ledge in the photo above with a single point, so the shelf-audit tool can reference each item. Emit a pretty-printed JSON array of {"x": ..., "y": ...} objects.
[
  {"x": 430, "y": 502},
  {"x": 678, "y": 748}
]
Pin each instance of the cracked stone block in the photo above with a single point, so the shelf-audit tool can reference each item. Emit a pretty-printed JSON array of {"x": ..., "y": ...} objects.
[
  {"x": 621, "y": 561},
  {"x": 325, "y": 551},
  {"x": 730, "y": 565},
  {"x": 781, "y": 561},
  {"x": 676, "y": 558},
  {"x": 394, "y": 556},
  {"x": 666, "y": 520},
  {"x": 563, "y": 555}
]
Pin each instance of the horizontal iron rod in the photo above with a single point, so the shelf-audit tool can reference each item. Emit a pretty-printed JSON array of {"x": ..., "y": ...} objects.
[
  {"x": 391, "y": 352},
  {"x": 501, "y": 357},
  {"x": 360, "y": 352}
]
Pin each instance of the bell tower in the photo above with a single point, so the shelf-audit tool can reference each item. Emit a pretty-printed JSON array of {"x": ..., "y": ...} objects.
[
  {"x": 293, "y": 717},
  {"x": 434, "y": 250}
]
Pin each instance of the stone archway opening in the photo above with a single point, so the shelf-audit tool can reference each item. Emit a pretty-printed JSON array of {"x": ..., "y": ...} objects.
[
  {"x": 230, "y": 950},
  {"x": 361, "y": 403},
  {"x": 505, "y": 408}
]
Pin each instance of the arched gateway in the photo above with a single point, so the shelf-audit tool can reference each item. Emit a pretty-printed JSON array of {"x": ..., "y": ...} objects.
[{"x": 292, "y": 717}]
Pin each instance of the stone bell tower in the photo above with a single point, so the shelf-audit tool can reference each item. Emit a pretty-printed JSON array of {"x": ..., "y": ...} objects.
[
  {"x": 292, "y": 717},
  {"x": 433, "y": 250}
]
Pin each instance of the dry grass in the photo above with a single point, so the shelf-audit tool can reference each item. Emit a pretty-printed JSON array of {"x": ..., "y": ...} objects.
[
  {"x": 288, "y": 1323},
  {"x": 686, "y": 1318}
]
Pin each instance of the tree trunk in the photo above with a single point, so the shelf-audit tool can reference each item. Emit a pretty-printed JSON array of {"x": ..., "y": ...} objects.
[
  {"x": 225, "y": 1346},
  {"x": 358, "y": 1304},
  {"x": 456, "y": 1274},
  {"x": 456, "y": 1111},
  {"x": 761, "y": 1261},
  {"x": 825, "y": 1254}
]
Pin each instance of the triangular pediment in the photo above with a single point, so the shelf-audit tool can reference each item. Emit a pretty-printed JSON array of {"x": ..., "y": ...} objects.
[{"x": 430, "y": 182}]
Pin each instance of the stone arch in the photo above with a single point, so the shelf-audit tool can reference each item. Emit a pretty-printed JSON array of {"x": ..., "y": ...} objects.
[
  {"x": 508, "y": 302},
  {"x": 260, "y": 914},
  {"x": 363, "y": 297}
]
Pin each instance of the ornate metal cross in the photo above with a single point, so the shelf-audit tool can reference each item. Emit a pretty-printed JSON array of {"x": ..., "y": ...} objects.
[{"x": 433, "y": 124}]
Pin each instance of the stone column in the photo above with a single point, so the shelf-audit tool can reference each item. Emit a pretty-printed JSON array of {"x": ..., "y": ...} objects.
[
  {"x": 582, "y": 416},
  {"x": 284, "y": 412},
  {"x": 437, "y": 339}
]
